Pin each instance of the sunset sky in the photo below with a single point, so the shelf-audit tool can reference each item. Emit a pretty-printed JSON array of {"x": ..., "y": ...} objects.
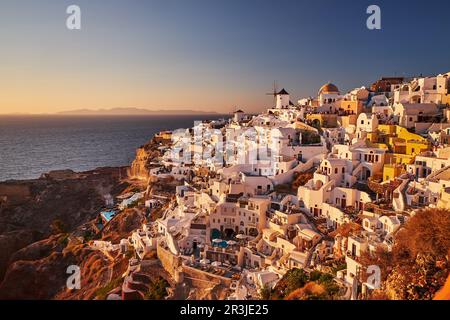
[{"x": 207, "y": 54}]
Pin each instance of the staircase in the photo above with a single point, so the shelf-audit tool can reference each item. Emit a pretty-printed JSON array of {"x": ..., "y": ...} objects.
[
  {"x": 435, "y": 174},
  {"x": 399, "y": 202}
]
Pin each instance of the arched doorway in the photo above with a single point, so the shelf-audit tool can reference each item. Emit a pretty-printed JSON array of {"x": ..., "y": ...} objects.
[
  {"x": 228, "y": 234},
  {"x": 365, "y": 174},
  {"x": 416, "y": 99},
  {"x": 195, "y": 244},
  {"x": 316, "y": 123}
]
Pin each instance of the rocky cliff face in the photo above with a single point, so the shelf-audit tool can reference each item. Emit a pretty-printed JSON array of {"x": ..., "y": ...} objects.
[
  {"x": 56, "y": 203},
  {"x": 44, "y": 224},
  {"x": 39, "y": 270},
  {"x": 142, "y": 163},
  {"x": 139, "y": 167}
]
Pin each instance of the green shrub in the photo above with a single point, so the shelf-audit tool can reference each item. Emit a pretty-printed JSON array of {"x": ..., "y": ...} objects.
[{"x": 158, "y": 289}]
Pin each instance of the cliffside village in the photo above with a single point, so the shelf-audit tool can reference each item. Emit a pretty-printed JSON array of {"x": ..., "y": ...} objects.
[{"x": 241, "y": 217}]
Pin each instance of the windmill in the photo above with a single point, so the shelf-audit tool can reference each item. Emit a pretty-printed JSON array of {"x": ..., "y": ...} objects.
[{"x": 274, "y": 93}]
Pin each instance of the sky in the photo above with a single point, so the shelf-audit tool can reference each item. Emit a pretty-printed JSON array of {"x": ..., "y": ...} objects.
[{"x": 209, "y": 55}]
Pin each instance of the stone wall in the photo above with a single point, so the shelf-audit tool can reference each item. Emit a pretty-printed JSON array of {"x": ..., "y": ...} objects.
[
  {"x": 169, "y": 262},
  {"x": 202, "y": 279}
]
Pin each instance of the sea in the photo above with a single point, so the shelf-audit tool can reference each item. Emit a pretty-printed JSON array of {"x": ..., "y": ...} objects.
[{"x": 32, "y": 145}]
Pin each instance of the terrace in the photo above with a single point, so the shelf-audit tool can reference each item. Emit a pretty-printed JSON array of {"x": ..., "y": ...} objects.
[{"x": 380, "y": 207}]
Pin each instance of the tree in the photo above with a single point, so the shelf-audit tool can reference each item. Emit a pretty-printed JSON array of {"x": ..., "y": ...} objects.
[
  {"x": 426, "y": 233},
  {"x": 266, "y": 292},
  {"x": 418, "y": 266},
  {"x": 311, "y": 291},
  {"x": 292, "y": 280}
]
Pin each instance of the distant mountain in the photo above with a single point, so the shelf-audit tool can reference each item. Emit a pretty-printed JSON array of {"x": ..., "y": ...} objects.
[{"x": 131, "y": 111}]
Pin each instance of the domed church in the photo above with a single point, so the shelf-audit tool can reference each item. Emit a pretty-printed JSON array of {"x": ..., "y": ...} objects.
[{"x": 328, "y": 93}]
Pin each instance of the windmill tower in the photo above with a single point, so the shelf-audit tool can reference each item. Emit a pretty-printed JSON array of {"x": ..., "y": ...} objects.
[{"x": 281, "y": 98}]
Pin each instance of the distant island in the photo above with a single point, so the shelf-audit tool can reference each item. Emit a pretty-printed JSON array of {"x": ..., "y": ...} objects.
[{"x": 131, "y": 111}]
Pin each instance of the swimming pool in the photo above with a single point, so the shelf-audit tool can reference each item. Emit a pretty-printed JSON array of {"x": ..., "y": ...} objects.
[{"x": 108, "y": 215}]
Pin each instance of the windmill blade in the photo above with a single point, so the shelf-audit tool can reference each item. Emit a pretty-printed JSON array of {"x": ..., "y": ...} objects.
[{"x": 274, "y": 93}]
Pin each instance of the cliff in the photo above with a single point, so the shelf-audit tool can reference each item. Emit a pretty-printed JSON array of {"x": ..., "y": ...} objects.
[
  {"x": 58, "y": 202},
  {"x": 143, "y": 162},
  {"x": 41, "y": 267}
]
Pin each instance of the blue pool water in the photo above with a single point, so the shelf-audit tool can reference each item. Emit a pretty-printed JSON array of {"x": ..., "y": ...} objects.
[{"x": 108, "y": 215}]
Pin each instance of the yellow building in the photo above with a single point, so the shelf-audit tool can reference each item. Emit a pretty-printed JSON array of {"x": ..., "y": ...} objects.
[
  {"x": 345, "y": 121},
  {"x": 392, "y": 158},
  {"x": 446, "y": 99},
  {"x": 403, "y": 147},
  {"x": 324, "y": 120},
  {"x": 391, "y": 171},
  {"x": 351, "y": 107},
  {"x": 400, "y": 140},
  {"x": 444, "y": 201}
]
